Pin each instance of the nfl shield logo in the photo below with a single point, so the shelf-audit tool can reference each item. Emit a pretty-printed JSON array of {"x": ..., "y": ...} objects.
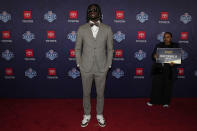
[
  {"x": 51, "y": 54},
  {"x": 119, "y": 36},
  {"x": 140, "y": 55},
  {"x": 195, "y": 72},
  {"x": 184, "y": 55},
  {"x": 160, "y": 36},
  {"x": 72, "y": 36},
  {"x": 5, "y": 17},
  {"x": 7, "y": 55},
  {"x": 73, "y": 73},
  {"x": 28, "y": 36},
  {"x": 30, "y": 73},
  {"x": 50, "y": 16},
  {"x": 185, "y": 18},
  {"x": 118, "y": 73},
  {"x": 142, "y": 17}
]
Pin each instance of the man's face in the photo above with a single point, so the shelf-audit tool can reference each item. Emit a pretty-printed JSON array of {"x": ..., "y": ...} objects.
[
  {"x": 93, "y": 12},
  {"x": 167, "y": 38}
]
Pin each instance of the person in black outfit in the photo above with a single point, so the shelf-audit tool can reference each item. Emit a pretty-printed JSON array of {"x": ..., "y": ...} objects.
[{"x": 162, "y": 75}]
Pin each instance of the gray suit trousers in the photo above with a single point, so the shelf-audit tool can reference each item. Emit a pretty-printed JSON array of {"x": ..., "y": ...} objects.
[{"x": 87, "y": 80}]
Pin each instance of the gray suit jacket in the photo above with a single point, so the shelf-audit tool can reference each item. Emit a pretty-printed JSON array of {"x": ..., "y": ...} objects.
[{"x": 89, "y": 49}]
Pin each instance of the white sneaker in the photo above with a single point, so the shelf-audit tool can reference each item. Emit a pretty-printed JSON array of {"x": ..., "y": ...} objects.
[
  {"x": 149, "y": 104},
  {"x": 165, "y": 105},
  {"x": 86, "y": 119},
  {"x": 101, "y": 120}
]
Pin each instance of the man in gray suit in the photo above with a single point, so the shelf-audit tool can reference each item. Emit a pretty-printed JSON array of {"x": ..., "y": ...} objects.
[{"x": 94, "y": 53}]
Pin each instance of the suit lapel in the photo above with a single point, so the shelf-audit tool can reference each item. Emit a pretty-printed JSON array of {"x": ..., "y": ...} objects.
[
  {"x": 89, "y": 31},
  {"x": 100, "y": 31}
]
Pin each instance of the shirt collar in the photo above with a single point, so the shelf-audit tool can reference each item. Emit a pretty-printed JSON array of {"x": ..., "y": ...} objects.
[{"x": 93, "y": 22}]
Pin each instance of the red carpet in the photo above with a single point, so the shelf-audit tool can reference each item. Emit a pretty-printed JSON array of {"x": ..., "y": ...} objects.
[{"x": 120, "y": 114}]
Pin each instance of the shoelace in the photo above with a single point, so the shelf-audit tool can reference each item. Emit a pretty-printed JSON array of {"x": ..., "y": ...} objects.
[
  {"x": 85, "y": 120},
  {"x": 101, "y": 120}
]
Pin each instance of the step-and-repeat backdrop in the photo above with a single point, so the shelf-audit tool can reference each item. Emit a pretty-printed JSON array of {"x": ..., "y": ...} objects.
[{"x": 37, "y": 40}]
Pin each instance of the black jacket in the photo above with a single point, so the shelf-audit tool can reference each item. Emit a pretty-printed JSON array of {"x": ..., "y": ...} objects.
[{"x": 166, "y": 69}]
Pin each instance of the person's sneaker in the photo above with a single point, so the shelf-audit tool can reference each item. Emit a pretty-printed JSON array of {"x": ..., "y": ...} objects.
[
  {"x": 101, "y": 120},
  {"x": 165, "y": 105},
  {"x": 86, "y": 119},
  {"x": 149, "y": 104}
]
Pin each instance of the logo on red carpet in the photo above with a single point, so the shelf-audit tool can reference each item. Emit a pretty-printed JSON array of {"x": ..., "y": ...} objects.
[
  {"x": 118, "y": 73},
  {"x": 27, "y": 17},
  {"x": 160, "y": 36},
  {"x": 141, "y": 37},
  {"x": 140, "y": 55},
  {"x": 7, "y": 55},
  {"x": 52, "y": 73},
  {"x": 164, "y": 18},
  {"x": 72, "y": 36},
  {"x": 119, "y": 16},
  {"x": 6, "y": 35},
  {"x": 50, "y": 16},
  {"x": 30, "y": 73},
  {"x": 51, "y": 54},
  {"x": 73, "y": 16},
  {"x": 9, "y": 72},
  {"x": 186, "y": 18},
  {"x": 51, "y": 36},
  {"x": 73, "y": 73},
  {"x": 184, "y": 37},
  {"x": 28, "y": 36},
  {"x": 72, "y": 53},
  {"x": 29, "y": 53},
  {"x": 119, "y": 36},
  {"x": 139, "y": 73},
  {"x": 181, "y": 72},
  {"x": 142, "y": 17},
  {"x": 5, "y": 17},
  {"x": 118, "y": 53}
]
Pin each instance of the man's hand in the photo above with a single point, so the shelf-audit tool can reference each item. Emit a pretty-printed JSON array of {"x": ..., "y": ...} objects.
[
  {"x": 77, "y": 65},
  {"x": 155, "y": 56},
  {"x": 171, "y": 64}
]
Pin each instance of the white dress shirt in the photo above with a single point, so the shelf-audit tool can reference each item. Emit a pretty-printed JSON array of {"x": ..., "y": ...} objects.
[{"x": 94, "y": 29}]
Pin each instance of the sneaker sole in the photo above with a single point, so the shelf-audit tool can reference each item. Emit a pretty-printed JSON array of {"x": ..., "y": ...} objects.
[
  {"x": 84, "y": 125},
  {"x": 101, "y": 125},
  {"x": 149, "y": 104}
]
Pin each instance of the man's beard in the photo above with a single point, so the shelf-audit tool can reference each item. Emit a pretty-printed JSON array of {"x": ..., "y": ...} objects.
[{"x": 95, "y": 18}]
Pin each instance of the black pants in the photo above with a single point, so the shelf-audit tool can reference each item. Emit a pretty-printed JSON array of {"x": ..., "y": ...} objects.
[{"x": 161, "y": 89}]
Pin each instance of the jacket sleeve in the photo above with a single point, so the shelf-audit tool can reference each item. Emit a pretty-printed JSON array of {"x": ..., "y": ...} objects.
[
  {"x": 154, "y": 52},
  {"x": 78, "y": 46},
  {"x": 109, "y": 47}
]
